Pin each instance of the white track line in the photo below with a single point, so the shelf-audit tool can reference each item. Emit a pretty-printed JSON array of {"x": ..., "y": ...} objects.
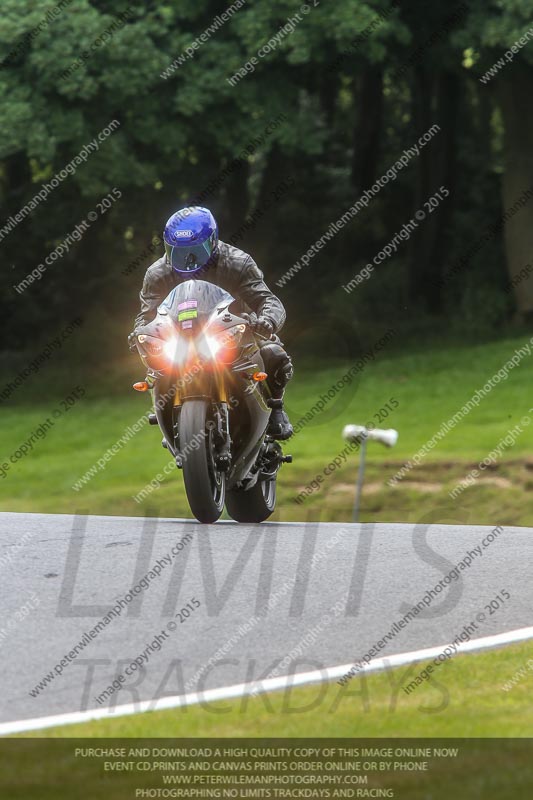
[{"x": 268, "y": 685}]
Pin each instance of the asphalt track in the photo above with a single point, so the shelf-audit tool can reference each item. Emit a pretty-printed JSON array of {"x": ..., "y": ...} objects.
[{"x": 275, "y": 599}]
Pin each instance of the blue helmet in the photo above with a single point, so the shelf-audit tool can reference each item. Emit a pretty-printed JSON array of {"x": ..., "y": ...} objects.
[{"x": 191, "y": 239}]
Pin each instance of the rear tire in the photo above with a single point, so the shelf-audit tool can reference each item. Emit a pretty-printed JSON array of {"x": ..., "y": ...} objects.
[
  {"x": 252, "y": 505},
  {"x": 204, "y": 484}
]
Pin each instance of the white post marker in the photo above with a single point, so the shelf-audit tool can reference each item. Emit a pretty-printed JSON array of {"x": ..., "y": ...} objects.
[{"x": 359, "y": 433}]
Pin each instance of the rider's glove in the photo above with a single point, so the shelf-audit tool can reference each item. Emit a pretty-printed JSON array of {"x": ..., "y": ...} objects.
[
  {"x": 264, "y": 327},
  {"x": 261, "y": 325},
  {"x": 132, "y": 342}
]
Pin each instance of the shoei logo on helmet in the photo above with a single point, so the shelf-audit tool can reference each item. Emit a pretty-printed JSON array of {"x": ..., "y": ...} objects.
[{"x": 183, "y": 234}]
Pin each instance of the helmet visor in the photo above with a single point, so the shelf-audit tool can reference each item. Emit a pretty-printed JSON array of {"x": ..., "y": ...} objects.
[{"x": 189, "y": 258}]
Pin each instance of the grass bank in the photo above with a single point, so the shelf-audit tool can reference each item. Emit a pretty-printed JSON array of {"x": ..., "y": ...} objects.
[{"x": 422, "y": 390}]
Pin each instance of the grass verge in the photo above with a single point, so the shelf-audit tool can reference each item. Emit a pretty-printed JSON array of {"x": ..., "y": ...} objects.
[
  {"x": 465, "y": 697},
  {"x": 428, "y": 387}
]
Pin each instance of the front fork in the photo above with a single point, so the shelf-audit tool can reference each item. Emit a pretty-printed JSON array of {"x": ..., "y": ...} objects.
[
  {"x": 218, "y": 433},
  {"x": 222, "y": 437}
]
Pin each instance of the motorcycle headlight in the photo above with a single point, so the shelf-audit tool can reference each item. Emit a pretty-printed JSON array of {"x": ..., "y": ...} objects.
[
  {"x": 150, "y": 344},
  {"x": 170, "y": 349},
  {"x": 160, "y": 353},
  {"x": 226, "y": 340}
]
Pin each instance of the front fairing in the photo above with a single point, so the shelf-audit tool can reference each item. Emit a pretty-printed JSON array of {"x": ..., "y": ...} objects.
[{"x": 182, "y": 325}]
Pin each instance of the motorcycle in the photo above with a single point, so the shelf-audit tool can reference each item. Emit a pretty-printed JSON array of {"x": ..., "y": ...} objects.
[{"x": 210, "y": 394}]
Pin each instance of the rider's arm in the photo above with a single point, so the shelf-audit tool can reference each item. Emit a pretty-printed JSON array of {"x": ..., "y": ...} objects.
[
  {"x": 256, "y": 294},
  {"x": 154, "y": 290}
]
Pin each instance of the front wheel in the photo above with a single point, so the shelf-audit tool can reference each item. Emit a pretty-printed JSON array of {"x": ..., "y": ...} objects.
[
  {"x": 252, "y": 505},
  {"x": 204, "y": 483}
]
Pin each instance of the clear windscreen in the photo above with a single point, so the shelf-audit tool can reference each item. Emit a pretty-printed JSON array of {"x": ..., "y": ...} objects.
[{"x": 193, "y": 300}]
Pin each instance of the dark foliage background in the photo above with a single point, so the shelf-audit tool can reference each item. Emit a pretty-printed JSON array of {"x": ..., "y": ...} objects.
[{"x": 355, "y": 84}]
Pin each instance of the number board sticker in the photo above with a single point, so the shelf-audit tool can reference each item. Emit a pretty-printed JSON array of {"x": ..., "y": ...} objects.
[
  {"x": 192, "y": 314},
  {"x": 188, "y": 311}
]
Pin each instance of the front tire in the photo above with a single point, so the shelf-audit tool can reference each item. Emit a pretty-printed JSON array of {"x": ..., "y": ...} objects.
[
  {"x": 252, "y": 505},
  {"x": 204, "y": 484}
]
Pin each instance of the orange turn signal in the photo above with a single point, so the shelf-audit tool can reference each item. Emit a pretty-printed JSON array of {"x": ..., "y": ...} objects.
[
  {"x": 141, "y": 386},
  {"x": 259, "y": 376}
]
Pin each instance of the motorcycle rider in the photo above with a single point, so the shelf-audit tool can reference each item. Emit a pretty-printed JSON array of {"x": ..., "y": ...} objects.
[{"x": 194, "y": 251}]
